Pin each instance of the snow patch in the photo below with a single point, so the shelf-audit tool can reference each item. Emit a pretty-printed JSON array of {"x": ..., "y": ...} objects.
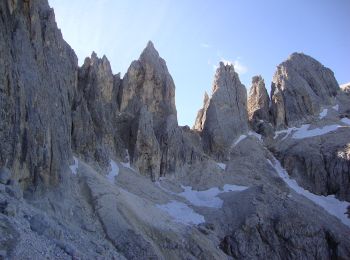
[
  {"x": 182, "y": 213},
  {"x": 332, "y": 205},
  {"x": 252, "y": 133},
  {"x": 323, "y": 113},
  {"x": 113, "y": 172},
  {"x": 303, "y": 131},
  {"x": 208, "y": 198},
  {"x": 221, "y": 165},
  {"x": 232, "y": 187},
  {"x": 336, "y": 107},
  {"x": 285, "y": 131},
  {"x": 127, "y": 164},
  {"x": 240, "y": 138},
  {"x": 74, "y": 167},
  {"x": 346, "y": 121}
]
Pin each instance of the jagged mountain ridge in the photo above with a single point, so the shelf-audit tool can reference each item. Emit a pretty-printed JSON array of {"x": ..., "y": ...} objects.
[{"x": 103, "y": 207}]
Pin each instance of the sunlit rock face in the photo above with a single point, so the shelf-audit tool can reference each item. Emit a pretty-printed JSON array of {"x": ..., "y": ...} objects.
[
  {"x": 300, "y": 86},
  {"x": 215, "y": 200},
  {"x": 259, "y": 107},
  {"x": 224, "y": 115},
  {"x": 38, "y": 77},
  {"x": 258, "y": 100},
  {"x": 148, "y": 83}
]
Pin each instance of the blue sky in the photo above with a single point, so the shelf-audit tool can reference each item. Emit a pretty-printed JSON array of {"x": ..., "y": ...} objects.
[{"x": 193, "y": 36}]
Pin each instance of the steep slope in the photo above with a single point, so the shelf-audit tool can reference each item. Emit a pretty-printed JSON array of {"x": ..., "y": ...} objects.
[
  {"x": 149, "y": 83},
  {"x": 300, "y": 86},
  {"x": 37, "y": 82},
  {"x": 259, "y": 108},
  {"x": 94, "y": 112},
  {"x": 307, "y": 98},
  {"x": 224, "y": 115},
  {"x": 111, "y": 202}
]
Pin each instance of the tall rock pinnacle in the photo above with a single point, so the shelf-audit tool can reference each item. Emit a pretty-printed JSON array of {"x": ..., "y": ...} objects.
[
  {"x": 300, "y": 86},
  {"x": 200, "y": 119},
  {"x": 94, "y": 110},
  {"x": 258, "y": 100},
  {"x": 148, "y": 83},
  {"x": 224, "y": 115}
]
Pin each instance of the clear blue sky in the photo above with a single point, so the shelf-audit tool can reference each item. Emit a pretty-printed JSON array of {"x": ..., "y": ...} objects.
[{"x": 194, "y": 35}]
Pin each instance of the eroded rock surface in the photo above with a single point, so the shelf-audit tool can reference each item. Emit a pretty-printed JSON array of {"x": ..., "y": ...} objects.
[
  {"x": 320, "y": 164},
  {"x": 94, "y": 112},
  {"x": 258, "y": 100},
  {"x": 229, "y": 202},
  {"x": 37, "y": 80},
  {"x": 300, "y": 86},
  {"x": 224, "y": 115},
  {"x": 148, "y": 83}
]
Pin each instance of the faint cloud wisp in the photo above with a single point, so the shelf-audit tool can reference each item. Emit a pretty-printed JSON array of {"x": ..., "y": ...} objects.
[{"x": 238, "y": 66}]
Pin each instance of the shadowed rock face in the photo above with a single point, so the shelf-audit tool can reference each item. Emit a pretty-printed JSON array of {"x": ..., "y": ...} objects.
[
  {"x": 38, "y": 75},
  {"x": 146, "y": 152},
  {"x": 201, "y": 115},
  {"x": 319, "y": 164},
  {"x": 48, "y": 105},
  {"x": 94, "y": 111},
  {"x": 258, "y": 101},
  {"x": 224, "y": 115},
  {"x": 148, "y": 83},
  {"x": 300, "y": 86},
  {"x": 147, "y": 94}
]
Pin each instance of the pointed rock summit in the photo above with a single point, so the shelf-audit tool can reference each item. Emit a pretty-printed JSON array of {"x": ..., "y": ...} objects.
[
  {"x": 148, "y": 83},
  {"x": 258, "y": 101},
  {"x": 224, "y": 116},
  {"x": 94, "y": 110},
  {"x": 300, "y": 86}
]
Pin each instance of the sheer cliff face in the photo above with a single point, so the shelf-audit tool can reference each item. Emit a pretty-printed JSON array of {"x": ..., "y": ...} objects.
[
  {"x": 300, "y": 86},
  {"x": 258, "y": 101},
  {"x": 224, "y": 115},
  {"x": 94, "y": 111},
  {"x": 38, "y": 75},
  {"x": 148, "y": 83}
]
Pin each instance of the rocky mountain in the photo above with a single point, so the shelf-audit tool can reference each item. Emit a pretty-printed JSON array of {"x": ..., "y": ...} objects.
[
  {"x": 300, "y": 86},
  {"x": 38, "y": 80},
  {"x": 224, "y": 115},
  {"x": 95, "y": 165}
]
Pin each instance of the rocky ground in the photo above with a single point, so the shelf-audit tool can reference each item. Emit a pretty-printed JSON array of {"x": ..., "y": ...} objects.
[{"x": 95, "y": 166}]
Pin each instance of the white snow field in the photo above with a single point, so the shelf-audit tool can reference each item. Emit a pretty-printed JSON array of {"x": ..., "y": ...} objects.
[
  {"x": 182, "y": 213},
  {"x": 304, "y": 132},
  {"x": 323, "y": 114},
  {"x": 208, "y": 198}
]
